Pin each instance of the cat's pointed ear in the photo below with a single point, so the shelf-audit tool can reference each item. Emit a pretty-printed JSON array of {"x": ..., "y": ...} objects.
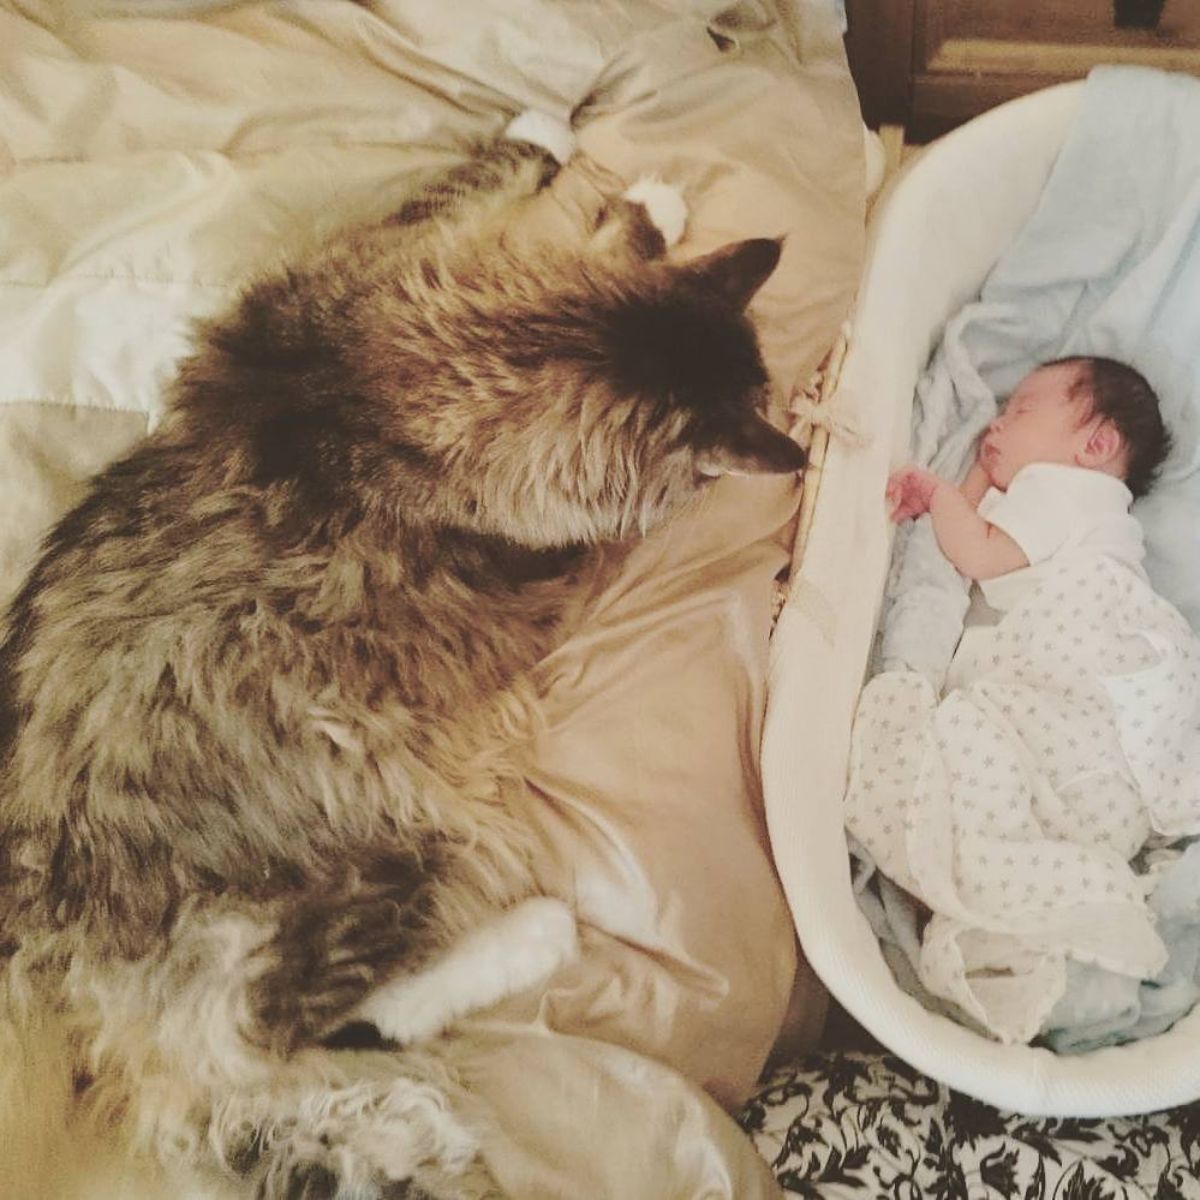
[
  {"x": 738, "y": 270},
  {"x": 751, "y": 445}
]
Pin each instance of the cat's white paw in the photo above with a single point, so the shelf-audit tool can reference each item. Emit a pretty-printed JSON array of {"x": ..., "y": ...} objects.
[
  {"x": 519, "y": 949},
  {"x": 664, "y": 206},
  {"x": 541, "y": 937},
  {"x": 540, "y": 128}
]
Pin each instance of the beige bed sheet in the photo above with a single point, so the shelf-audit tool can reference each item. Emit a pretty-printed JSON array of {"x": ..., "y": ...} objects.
[{"x": 147, "y": 165}]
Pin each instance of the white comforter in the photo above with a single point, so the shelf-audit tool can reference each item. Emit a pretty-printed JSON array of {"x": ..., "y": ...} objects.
[{"x": 1012, "y": 805}]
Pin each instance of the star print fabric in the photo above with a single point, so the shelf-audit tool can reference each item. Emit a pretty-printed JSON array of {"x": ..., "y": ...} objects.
[{"x": 1012, "y": 805}]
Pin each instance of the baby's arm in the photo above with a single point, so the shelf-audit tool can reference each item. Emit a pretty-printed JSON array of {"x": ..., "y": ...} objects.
[
  {"x": 975, "y": 548},
  {"x": 976, "y": 484}
]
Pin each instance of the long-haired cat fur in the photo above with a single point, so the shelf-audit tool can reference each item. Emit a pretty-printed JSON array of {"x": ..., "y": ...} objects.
[{"x": 262, "y": 697}]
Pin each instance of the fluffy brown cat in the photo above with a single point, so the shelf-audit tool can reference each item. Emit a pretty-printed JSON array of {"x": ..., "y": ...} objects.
[{"x": 262, "y": 697}]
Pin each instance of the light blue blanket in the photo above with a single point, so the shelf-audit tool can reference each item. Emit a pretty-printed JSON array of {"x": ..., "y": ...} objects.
[{"x": 1108, "y": 264}]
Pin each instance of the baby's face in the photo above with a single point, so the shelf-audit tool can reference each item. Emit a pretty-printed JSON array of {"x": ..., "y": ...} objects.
[{"x": 1041, "y": 422}]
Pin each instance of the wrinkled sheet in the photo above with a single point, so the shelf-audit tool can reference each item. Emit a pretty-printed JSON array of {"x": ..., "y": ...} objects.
[
  {"x": 1013, "y": 805},
  {"x": 147, "y": 166}
]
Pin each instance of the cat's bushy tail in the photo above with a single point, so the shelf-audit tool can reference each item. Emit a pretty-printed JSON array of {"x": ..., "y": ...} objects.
[
  {"x": 44, "y": 1153},
  {"x": 35, "y": 1092},
  {"x": 48, "y": 1149}
]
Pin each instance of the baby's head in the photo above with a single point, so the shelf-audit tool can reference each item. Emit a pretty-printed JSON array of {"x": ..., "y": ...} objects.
[{"x": 1081, "y": 412}]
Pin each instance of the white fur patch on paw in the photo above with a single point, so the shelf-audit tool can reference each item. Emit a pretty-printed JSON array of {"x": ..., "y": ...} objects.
[
  {"x": 521, "y": 948},
  {"x": 664, "y": 206},
  {"x": 542, "y": 130}
]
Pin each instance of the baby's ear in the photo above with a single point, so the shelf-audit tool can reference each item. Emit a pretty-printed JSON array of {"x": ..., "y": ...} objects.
[
  {"x": 1104, "y": 445},
  {"x": 751, "y": 445}
]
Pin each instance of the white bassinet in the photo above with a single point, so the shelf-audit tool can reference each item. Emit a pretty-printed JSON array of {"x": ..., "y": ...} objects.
[{"x": 935, "y": 235}]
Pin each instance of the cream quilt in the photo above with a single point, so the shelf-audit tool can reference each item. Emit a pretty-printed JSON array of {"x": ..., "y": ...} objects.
[{"x": 148, "y": 165}]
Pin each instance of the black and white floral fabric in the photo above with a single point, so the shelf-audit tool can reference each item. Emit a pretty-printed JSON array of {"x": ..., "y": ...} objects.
[{"x": 848, "y": 1126}]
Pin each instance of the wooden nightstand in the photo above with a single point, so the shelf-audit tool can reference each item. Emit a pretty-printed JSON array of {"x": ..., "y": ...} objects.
[{"x": 928, "y": 65}]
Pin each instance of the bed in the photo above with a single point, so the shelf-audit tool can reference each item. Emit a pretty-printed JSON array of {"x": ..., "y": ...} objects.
[
  {"x": 152, "y": 156},
  {"x": 150, "y": 162}
]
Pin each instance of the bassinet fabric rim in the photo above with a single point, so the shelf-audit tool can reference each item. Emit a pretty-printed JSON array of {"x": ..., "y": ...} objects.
[{"x": 820, "y": 646}]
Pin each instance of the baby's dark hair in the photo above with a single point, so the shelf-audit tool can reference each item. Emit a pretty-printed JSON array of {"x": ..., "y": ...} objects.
[{"x": 1121, "y": 395}]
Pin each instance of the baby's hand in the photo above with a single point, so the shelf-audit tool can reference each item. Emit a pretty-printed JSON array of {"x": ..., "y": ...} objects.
[{"x": 910, "y": 492}]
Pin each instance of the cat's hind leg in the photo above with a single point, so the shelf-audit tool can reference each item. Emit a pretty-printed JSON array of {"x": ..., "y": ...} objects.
[{"x": 349, "y": 1126}]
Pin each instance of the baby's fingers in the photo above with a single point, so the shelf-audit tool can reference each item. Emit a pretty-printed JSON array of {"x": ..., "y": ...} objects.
[
  {"x": 898, "y": 509},
  {"x": 897, "y": 484}
]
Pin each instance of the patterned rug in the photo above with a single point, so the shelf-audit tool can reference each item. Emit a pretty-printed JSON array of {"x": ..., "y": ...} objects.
[{"x": 851, "y": 1125}]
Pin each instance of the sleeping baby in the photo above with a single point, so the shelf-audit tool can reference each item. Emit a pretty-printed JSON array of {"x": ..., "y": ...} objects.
[{"x": 1067, "y": 734}]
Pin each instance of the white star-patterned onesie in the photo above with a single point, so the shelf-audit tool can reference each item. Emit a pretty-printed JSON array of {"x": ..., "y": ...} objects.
[{"x": 1070, "y": 730}]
